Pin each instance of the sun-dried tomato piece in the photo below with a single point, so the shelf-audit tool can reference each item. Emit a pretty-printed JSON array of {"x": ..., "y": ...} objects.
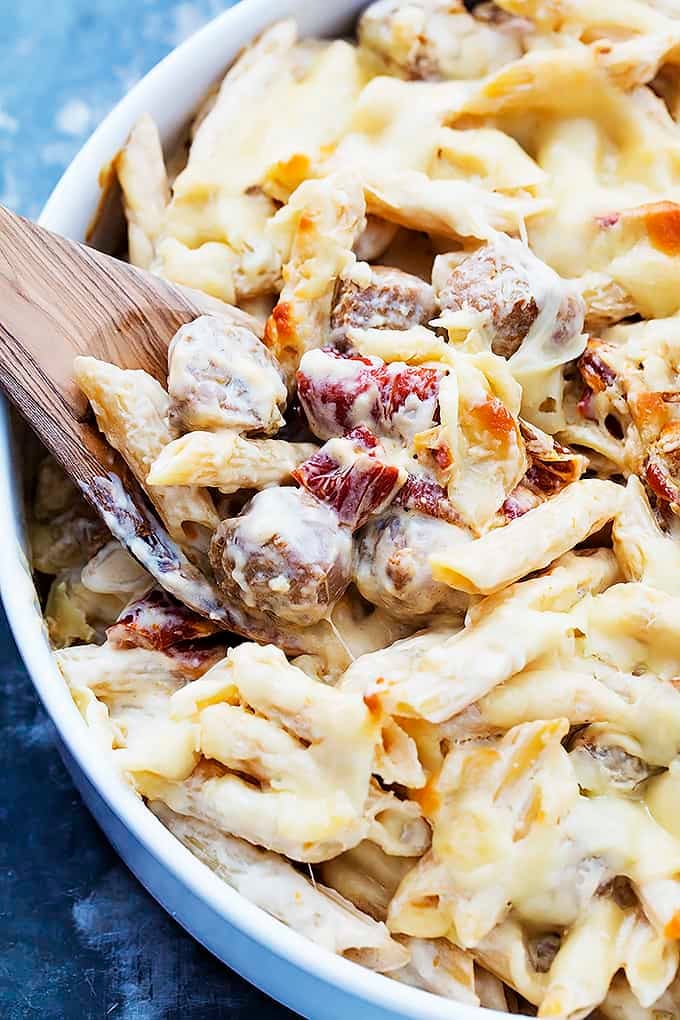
[
  {"x": 363, "y": 437},
  {"x": 548, "y": 478},
  {"x": 551, "y": 467},
  {"x": 608, "y": 221},
  {"x": 339, "y": 392},
  {"x": 659, "y": 474},
  {"x": 519, "y": 502},
  {"x": 158, "y": 621},
  {"x": 595, "y": 372},
  {"x": 398, "y": 382},
  {"x": 329, "y": 392},
  {"x": 586, "y": 405},
  {"x": 427, "y": 497},
  {"x": 348, "y": 475}
]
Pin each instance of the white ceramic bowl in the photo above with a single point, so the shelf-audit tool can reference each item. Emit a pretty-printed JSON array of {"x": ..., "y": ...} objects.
[{"x": 312, "y": 981}]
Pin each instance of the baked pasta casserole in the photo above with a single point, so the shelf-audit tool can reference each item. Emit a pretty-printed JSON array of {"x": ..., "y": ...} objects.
[{"x": 433, "y": 463}]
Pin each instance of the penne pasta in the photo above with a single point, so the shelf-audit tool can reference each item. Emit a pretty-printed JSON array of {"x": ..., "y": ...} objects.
[
  {"x": 131, "y": 410},
  {"x": 226, "y": 461},
  {"x": 332, "y": 210},
  {"x": 532, "y": 541},
  {"x": 144, "y": 182},
  {"x": 272, "y": 883},
  {"x": 437, "y": 674}
]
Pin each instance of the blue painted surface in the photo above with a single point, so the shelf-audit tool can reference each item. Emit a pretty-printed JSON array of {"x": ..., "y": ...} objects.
[
  {"x": 79, "y": 937},
  {"x": 63, "y": 65}
]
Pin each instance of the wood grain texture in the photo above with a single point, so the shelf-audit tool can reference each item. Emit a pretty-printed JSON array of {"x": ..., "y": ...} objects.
[{"x": 59, "y": 299}]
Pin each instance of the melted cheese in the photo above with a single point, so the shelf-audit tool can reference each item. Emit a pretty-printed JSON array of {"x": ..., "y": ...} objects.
[
  {"x": 604, "y": 151},
  {"x": 217, "y": 200},
  {"x": 479, "y": 402}
]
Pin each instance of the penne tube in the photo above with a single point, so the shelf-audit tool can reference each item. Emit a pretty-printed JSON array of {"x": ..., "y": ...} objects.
[
  {"x": 660, "y": 898},
  {"x": 396, "y": 826},
  {"x": 492, "y": 992},
  {"x": 556, "y": 690},
  {"x": 437, "y": 674},
  {"x": 645, "y": 552},
  {"x": 651, "y": 961},
  {"x": 273, "y": 884},
  {"x": 125, "y": 697},
  {"x": 397, "y": 758},
  {"x": 248, "y": 743},
  {"x": 113, "y": 571},
  {"x": 439, "y": 966},
  {"x": 448, "y": 676},
  {"x": 227, "y": 461},
  {"x": 283, "y": 780},
  {"x": 512, "y": 831},
  {"x": 144, "y": 182},
  {"x": 506, "y": 952},
  {"x": 455, "y": 209},
  {"x": 529, "y": 542},
  {"x": 574, "y": 989},
  {"x": 120, "y": 670},
  {"x": 316, "y": 230},
  {"x": 303, "y": 829},
  {"x": 367, "y": 876},
  {"x": 633, "y": 627},
  {"x": 621, "y": 1003},
  {"x": 414, "y": 346}
]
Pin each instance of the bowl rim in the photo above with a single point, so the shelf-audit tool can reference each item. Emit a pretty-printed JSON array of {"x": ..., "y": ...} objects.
[{"x": 62, "y": 213}]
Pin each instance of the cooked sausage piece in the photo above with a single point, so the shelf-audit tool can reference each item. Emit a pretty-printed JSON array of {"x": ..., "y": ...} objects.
[
  {"x": 67, "y": 540},
  {"x": 391, "y": 300},
  {"x": 550, "y": 466},
  {"x": 511, "y": 288},
  {"x": 221, "y": 376},
  {"x": 285, "y": 554},
  {"x": 392, "y": 563},
  {"x": 603, "y": 763}
]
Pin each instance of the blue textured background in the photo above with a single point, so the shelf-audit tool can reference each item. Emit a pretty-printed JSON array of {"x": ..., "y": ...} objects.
[{"x": 79, "y": 937}]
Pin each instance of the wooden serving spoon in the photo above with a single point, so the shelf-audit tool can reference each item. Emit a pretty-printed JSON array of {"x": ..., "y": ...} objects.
[{"x": 59, "y": 299}]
